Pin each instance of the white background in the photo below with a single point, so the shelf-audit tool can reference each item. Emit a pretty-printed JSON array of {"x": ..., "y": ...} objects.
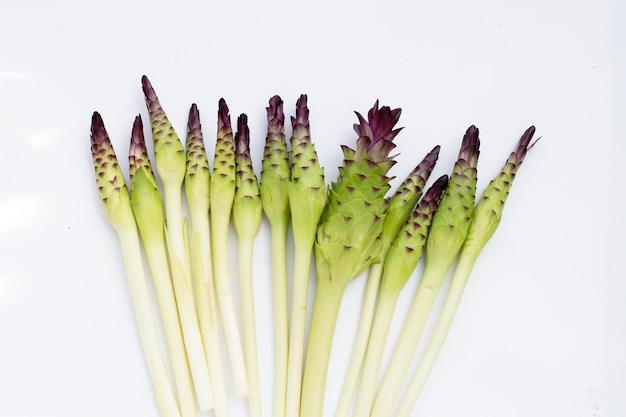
[{"x": 541, "y": 329}]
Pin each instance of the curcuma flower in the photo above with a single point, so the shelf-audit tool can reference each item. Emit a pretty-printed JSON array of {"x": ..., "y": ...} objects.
[
  {"x": 445, "y": 238},
  {"x": 148, "y": 210},
  {"x": 402, "y": 258},
  {"x": 197, "y": 191},
  {"x": 348, "y": 236},
  {"x": 116, "y": 205},
  {"x": 400, "y": 205},
  {"x": 275, "y": 176},
  {"x": 348, "y": 239},
  {"x": 247, "y": 215},
  {"x": 485, "y": 220},
  {"x": 222, "y": 194},
  {"x": 307, "y": 198},
  {"x": 170, "y": 161}
]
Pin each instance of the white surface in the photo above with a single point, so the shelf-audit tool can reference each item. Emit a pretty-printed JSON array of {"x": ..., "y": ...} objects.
[{"x": 541, "y": 328}]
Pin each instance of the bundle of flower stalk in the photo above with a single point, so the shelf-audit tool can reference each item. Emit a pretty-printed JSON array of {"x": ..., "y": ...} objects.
[{"x": 347, "y": 228}]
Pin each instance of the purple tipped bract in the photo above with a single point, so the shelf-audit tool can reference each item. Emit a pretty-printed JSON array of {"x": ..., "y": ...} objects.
[
  {"x": 138, "y": 153},
  {"x": 522, "y": 147},
  {"x": 470, "y": 146},
  {"x": 137, "y": 140},
  {"x": 194, "y": 117},
  {"x": 148, "y": 91},
  {"x": 275, "y": 111},
  {"x": 435, "y": 190},
  {"x": 242, "y": 137},
  {"x": 99, "y": 134},
  {"x": 223, "y": 115},
  {"x": 377, "y": 132},
  {"x": 137, "y": 133},
  {"x": 302, "y": 112}
]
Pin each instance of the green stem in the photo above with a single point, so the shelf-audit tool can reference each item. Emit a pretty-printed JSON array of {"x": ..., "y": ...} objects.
[
  {"x": 453, "y": 299},
  {"x": 219, "y": 246},
  {"x": 433, "y": 276},
  {"x": 362, "y": 338},
  {"x": 375, "y": 349},
  {"x": 129, "y": 242},
  {"x": 245, "y": 248},
  {"x": 281, "y": 314},
  {"x": 325, "y": 311},
  {"x": 303, "y": 249}
]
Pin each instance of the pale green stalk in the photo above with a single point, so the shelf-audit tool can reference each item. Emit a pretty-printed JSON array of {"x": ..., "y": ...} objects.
[
  {"x": 400, "y": 206},
  {"x": 222, "y": 193},
  {"x": 485, "y": 220},
  {"x": 347, "y": 240},
  {"x": 402, "y": 258},
  {"x": 116, "y": 205},
  {"x": 247, "y": 217},
  {"x": 447, "y": 233},
  {"x": 275, "y": 175},
  {"x": 171, "y": 164},
  {"x": 197, "y": 181},
  {"x": 307, "y": 199},
  {"x": 148, "y": 210}
]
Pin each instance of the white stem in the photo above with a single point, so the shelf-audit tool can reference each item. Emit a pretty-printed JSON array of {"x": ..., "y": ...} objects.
[
  {"x": 157, "y": 259},
  {"x": 249, "y": 324},
  {"x": 174, "y": 221},
  {"x": 297, "y": 332},
  {"x": 207, "y": 315},
  {"x": 191, "y": 328},
  {"x": 133, "y": 262},
  {"x": 281, "y": 314},
  {"x": 219, "y": 246}
]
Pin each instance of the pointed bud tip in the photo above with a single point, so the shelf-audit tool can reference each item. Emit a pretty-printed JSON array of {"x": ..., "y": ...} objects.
[
  {"x": 137, "y": 153},
  {"x": 137, "y": 132},
  {"x": 96, "y": 119},
  {"x": 436, "y": 189},
  {"x": 523, "y": 145},
  {"x": 470, "y": 144},
  {"x": 146, "y": 85},
  {"x": 194, "y": 117},
  {"x": 433, "y": 155},
  {"x": 527, "y": 137},
  {"x": 223, "y": 115},
  {"x": 242, "y": 137},
  {"x": 472, "y": 133},
  {"x": 98, "y": 131},
  {"x": 148, "y": 92},
  {"x": 302, "y": 112},
  {"x": 442, "y": 181}
]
